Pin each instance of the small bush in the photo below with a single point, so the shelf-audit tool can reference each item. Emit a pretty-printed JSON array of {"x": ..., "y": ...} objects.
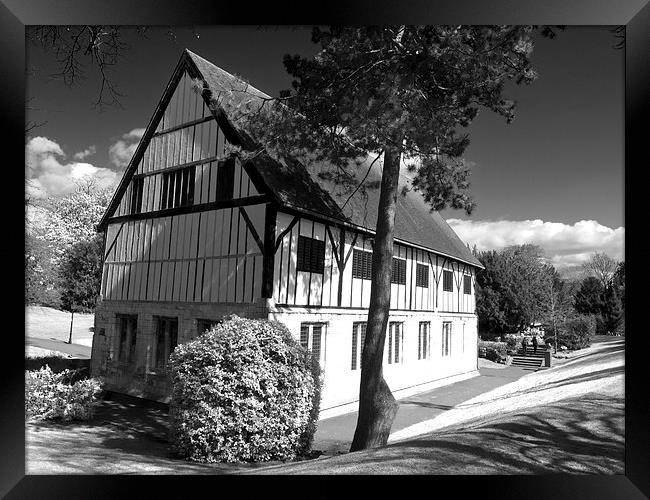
[
  {"x": 243, "y": 391},
  {"x": 492, "y": 351},
  {"x": 513, "y": 342},
  {"x": 53, "y": 396}
]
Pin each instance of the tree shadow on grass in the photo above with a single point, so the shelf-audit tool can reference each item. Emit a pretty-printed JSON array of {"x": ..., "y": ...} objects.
[
  {"x": 576, "y": 379},
  {"x": 581, "y": 435}
]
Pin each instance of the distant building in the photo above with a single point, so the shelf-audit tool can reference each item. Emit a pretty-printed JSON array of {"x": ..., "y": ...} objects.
[{"x": 192, "y": 235}]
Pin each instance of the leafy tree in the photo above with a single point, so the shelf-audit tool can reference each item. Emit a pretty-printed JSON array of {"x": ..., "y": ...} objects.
[
  {"x": 559, "y": 296},
  {"x": 80, "y": 275},
  {"x": 53, "y": 228},
  {"x": 40, "y": 274},
  {"x": 395, "y": 93},
  {"x": 512, "y": 290},
  {"x": 619, "y": 282},
  {"x": 603, "y": 302}
]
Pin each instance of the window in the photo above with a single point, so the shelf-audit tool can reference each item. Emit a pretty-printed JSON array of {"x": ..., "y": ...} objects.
[
  {"x": 395, "y": 342},
  {"x": 424, "y": 340},
  {"x": 136, "y": 194},
  {"x": 311, "y": 255},
  {"x": 312, "y": 338},
  {"x": 128, "y": 326},
  {"x": 166, "y": 340},
  {"x": 447, "y": 281},
  {"x": 362, "y": 264},
  {"x": 399, "y": 271},
  {"x": 206, "y": 324},
  {"x": 422, "y": 275},
  {"x": 225, "y": 180},
  {"x": 178, "y": 188},
  {"x": 358, "y": 341},
  {"x": 467, "y": 284},
  {"x": 446, "y": 338}
]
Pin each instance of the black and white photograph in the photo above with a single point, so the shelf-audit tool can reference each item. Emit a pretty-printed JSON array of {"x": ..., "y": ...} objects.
[{"x": 388, "y": 249}]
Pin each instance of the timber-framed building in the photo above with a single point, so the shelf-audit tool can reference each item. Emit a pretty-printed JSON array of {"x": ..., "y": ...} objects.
[{"x": 193, "y": 234}]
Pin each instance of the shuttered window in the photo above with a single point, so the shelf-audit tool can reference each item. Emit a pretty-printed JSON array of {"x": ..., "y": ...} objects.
[
  {"x": 422, "y": 275},
  {"x": 225, "y": 180},
  {"x": 447, "y": 281},
  {"x": 311, "y": 255},
  {"x": 178, "y": 188},
  {"x": 398, "y": 275},
  {"x": 362, "y": 264},
  {"x": 467, "y": 284},
  {"x": 358, "y": 341}
]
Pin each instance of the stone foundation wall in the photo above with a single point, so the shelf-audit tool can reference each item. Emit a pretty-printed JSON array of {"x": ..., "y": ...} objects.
[{"x": 137, "y": 377}]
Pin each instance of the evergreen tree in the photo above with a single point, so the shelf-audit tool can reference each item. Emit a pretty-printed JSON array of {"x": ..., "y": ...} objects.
[{"x": 399, "y": 94}]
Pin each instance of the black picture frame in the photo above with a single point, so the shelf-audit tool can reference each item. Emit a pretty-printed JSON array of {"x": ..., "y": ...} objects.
[{"x": 634, "y": 14}]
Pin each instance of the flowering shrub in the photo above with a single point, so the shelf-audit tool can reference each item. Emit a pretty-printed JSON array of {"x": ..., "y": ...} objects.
[
  {"x": 513, "y": 342},
  {"x": 493, "y": 351},
  {"x": 243, "y": 391},
  {"x": 51, "y": 396}
]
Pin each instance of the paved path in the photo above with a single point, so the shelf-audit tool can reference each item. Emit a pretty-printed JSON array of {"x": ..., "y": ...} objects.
[
  {"x": 75, "y": 350},
  {"x": 334, "y": 435}
]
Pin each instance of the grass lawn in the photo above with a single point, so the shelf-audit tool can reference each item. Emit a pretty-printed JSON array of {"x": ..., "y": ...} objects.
[
  {"x": 48, "y": 323},
  {"x": 569, "y": 418},
  {"x": 38, "y": 352}
]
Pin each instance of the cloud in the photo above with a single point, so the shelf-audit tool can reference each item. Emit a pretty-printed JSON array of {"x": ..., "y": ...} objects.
[
  {"x": 566, "y": 245},
  {"x": 86, "y": 153},
  {"x": 120, "y": 153},
  {"x": 48, "y": 172}
]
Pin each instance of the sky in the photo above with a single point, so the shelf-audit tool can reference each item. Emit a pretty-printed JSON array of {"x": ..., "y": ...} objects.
[{"x": 553, "y": 177}]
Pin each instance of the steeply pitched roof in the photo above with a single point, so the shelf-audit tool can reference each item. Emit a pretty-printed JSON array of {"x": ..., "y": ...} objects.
[
  {"x": 301, "y": 187},
  {"x": 414, "y": 221}
]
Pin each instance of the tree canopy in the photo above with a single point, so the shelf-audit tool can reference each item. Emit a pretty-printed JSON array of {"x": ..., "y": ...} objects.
[
  {"x": 55, "y": 225},
  {"x": 403, "y": 94},
  {"x": 410, "y": 90},
  {"x": 513, "y": 289}
]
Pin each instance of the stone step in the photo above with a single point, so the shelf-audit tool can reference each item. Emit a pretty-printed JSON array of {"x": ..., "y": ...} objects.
[{"x": 526, "y": 362}]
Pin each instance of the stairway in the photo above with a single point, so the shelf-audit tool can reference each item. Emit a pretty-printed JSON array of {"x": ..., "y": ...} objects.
[{"x": 531, "y": 360}]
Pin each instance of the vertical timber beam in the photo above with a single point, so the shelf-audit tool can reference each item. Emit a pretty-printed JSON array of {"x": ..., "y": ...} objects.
[{"x": 268, "y": 263}]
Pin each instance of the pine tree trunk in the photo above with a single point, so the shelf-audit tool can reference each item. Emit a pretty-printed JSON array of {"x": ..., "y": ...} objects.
[{"x": 377, "y": 406}]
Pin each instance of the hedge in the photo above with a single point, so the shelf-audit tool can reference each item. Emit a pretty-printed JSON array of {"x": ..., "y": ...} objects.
[
  {"x": 493, "y": 351},
  {"x": 244, "y": 391},
  {"x": 54, "y": 396}
]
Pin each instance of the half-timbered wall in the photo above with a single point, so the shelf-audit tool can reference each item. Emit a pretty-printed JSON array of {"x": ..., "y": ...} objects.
[
  {"x": 327, "y": 289},
  {"x": 187, "y": 135},
  {"x": 211, "y": 256}
]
